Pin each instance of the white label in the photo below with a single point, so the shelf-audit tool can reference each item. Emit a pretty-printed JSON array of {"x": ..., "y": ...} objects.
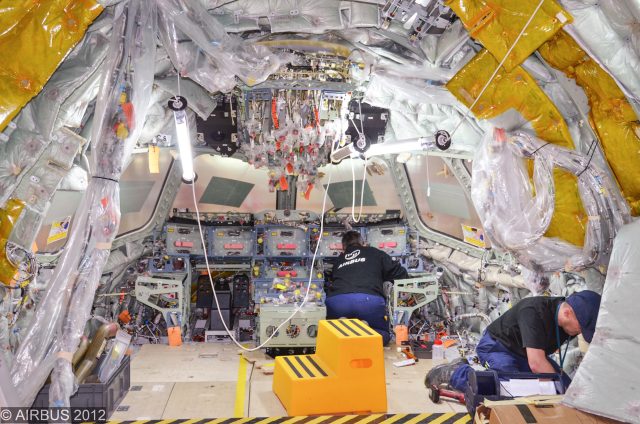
[
  {"x": 561, "y": 17},
  {"x": 163, "y": 139}
]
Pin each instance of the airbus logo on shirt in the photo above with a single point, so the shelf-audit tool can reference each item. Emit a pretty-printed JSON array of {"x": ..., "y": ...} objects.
[
  {"x": 352, "y": 258},
  {"x": 352, "y": 255}
]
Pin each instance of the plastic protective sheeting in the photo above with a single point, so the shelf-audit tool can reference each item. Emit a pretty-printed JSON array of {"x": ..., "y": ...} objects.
[
  {"x": 190, "y": 61},
  {"x": 615, "y": 51},
  {"x": 8, "y": 217},
  {"x": 624, "y": 16},
  {"x": 200, "y": 101},
  {"x": 34, "y": 38},
  {"x": 606, "y": 381},
  {"x": 497, "y": 24},
  {"x": 361, "y": 15},
  {"x": 308, "y": 16},
  {"x": 64, "y": 310},
  {"x": 611, "y": 115},
  {"x": 231, "y": 55},
  {"x": 515, "y": 215},
  {"x": 517, "y": 90},
  {"x": 420, "y": 111}
]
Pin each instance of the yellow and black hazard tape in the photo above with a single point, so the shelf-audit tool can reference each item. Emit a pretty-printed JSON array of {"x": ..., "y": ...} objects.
[{"x": 435, "y": 418}]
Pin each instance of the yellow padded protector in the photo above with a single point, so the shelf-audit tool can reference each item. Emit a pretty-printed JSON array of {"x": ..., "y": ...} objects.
[
  {"x": 497, "y": 23},
  {"x": 35, "y": 36},
  {"x": 346, "y": 374},
  {"x": 8, "y": 217},
  {"x": 611, "y": 115},
  {"x": 517, "y": 90}
]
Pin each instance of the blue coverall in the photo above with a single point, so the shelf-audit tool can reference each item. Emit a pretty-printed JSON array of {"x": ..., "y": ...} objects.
[{"x": 496, "y": 356}]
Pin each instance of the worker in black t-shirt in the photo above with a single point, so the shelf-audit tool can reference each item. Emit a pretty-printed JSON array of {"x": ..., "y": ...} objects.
[
  {"x": 522, "y": 339},
  {"x": 356, "y": 286}
]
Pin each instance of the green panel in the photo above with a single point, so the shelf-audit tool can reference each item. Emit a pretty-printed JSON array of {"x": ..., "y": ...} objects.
[
  {"x": 133, "y": 194},
  {"x": 226, "y": 192},
  {"x": 341, "y": 194}
]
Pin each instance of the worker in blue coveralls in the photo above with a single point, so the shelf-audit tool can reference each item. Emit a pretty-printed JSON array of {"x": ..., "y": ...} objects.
[
  {"x": 356, "y": 286},
  {"x": 522, "y": 339}
]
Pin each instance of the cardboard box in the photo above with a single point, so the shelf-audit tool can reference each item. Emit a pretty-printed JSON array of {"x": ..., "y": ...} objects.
[{"x": 544, "y": 414}]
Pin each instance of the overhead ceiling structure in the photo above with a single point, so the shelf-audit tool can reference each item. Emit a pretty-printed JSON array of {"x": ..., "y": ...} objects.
[{"x": 542, "y": 95}]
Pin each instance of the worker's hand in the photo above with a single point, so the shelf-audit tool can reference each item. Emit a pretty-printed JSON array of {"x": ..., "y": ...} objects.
[{"x": 538, "y": 361}]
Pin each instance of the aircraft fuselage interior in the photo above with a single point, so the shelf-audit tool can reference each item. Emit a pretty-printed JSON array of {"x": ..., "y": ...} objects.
[{"x": 380, "y": 211}]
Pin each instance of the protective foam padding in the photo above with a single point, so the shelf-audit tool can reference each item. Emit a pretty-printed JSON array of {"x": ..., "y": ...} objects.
[
  {"x": 611, "y": 115},
  {"x": 36, "y": 36},
  {"x": 518, "y": 90},
  {"x": 497, "y": 23}
]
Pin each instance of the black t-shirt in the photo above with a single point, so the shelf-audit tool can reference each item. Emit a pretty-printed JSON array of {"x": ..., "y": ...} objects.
[
  {"x": 530, "y": 323},
  {"x": 363, "y": 269}
]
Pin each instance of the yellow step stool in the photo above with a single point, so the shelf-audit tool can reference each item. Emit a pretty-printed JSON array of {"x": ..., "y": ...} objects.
[{"x": 345, "y": 376}]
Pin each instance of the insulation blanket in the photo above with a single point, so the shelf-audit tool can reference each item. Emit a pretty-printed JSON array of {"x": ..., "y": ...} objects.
[
  {"x": 497, "y": 24},
  {"x": 38, "y": 35},
  {"x": 420, "y": 111},
  {"x": 611, "y": 115},
  {"x": 8, "y": 217},
  {"x": 615, "y": 348},
  {"x": 517, "y": 90}
]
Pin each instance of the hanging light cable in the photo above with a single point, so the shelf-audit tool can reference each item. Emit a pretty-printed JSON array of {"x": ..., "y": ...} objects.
[{"x": 178, "y": 105}]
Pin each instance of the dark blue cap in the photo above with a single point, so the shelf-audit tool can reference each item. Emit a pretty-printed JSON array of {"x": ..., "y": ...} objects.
[{"x": 586, "y": 305}]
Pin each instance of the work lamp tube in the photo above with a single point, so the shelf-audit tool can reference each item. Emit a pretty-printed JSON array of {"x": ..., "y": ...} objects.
[{"x": 179, "y": 105}]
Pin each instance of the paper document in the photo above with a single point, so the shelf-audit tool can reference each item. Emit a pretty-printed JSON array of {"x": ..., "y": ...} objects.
[{"x": 526, "y": 387}]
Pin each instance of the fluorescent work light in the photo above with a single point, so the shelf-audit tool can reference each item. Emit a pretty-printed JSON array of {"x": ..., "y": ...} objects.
[{"x": 178, "y": 105}]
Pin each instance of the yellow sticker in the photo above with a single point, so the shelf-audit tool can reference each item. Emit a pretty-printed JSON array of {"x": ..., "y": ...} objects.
[
  {"x": 474, "y": 236},
  {"x": 274, "y": 233},
  {"x": 400, "y": 231},
  {"x": 59, "y": 230},
  {"x": 220, "y": 234},
  {"x": 170, "y": 230},
  {"x": 326, "y": 233}
]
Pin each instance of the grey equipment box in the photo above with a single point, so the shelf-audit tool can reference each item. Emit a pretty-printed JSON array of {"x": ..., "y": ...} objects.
[
  {"x": 96, "y": 395},
  {"x": 301, "y": 331}
]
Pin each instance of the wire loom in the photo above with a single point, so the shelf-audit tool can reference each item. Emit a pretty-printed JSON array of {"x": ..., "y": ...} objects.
[{"x": 499, "y": 165}]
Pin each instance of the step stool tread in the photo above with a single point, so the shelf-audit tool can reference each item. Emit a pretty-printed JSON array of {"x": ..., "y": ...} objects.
[{"x": 306, "y": 367}]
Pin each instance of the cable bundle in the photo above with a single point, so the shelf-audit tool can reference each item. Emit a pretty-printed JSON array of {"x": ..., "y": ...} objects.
[{"x": 515, "y": 214}]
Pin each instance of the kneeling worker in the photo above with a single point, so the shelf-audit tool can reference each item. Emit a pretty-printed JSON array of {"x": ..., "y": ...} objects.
[
  {"x": 356, "y": 287},
  {"x": 522, "y": 339}
]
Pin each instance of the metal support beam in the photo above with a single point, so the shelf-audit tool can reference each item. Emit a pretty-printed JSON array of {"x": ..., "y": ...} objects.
[{"x": 401, "y": 180}]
